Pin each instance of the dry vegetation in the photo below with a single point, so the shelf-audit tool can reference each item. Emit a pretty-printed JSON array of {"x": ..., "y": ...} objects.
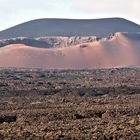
[{"x": 101, "y": 104}]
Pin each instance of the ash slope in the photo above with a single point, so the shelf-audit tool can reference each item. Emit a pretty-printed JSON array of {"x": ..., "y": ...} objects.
[
  {"x": 70, "y": 27},
  {"x": 119, "y": 50}
]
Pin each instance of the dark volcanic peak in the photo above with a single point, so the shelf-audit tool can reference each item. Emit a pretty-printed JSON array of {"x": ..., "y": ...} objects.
[{"x": 70, "y": 27}]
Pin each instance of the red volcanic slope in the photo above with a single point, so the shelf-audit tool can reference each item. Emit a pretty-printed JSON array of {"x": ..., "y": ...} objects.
[{"x": 120, "y": 50}]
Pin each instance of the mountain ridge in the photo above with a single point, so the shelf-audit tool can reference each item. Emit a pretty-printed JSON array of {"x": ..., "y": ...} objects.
[{"x": 70, "y": 27}]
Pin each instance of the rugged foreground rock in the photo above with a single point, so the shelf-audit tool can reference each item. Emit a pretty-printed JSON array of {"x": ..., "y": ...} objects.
[{"x": 101, "y": 104}]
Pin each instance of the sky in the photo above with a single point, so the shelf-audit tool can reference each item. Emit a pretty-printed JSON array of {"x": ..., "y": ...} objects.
[{"x": 13, "y": 12}]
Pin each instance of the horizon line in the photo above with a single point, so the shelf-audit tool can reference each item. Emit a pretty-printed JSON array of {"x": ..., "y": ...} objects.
[{"x": 69, "y": 19}]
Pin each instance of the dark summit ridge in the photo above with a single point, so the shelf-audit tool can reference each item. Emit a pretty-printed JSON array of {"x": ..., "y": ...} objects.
[{"x": 70, "y": 27}]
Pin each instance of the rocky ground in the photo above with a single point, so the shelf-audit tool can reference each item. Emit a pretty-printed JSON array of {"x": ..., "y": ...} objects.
[{"x": 101, "y": 104}]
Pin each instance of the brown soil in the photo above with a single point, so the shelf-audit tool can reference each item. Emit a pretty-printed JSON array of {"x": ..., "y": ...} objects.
[{"x": 101, "y": 104}]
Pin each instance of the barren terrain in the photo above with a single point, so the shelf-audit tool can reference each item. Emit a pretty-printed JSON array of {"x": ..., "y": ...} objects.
[{"x": 39, "y": 104}]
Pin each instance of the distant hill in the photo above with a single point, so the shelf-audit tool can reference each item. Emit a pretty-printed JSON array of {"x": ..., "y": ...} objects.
[{"x": 70, "y": 27}]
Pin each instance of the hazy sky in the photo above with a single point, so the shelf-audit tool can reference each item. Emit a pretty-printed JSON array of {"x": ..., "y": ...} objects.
[{"x": 13, "y": 12}]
